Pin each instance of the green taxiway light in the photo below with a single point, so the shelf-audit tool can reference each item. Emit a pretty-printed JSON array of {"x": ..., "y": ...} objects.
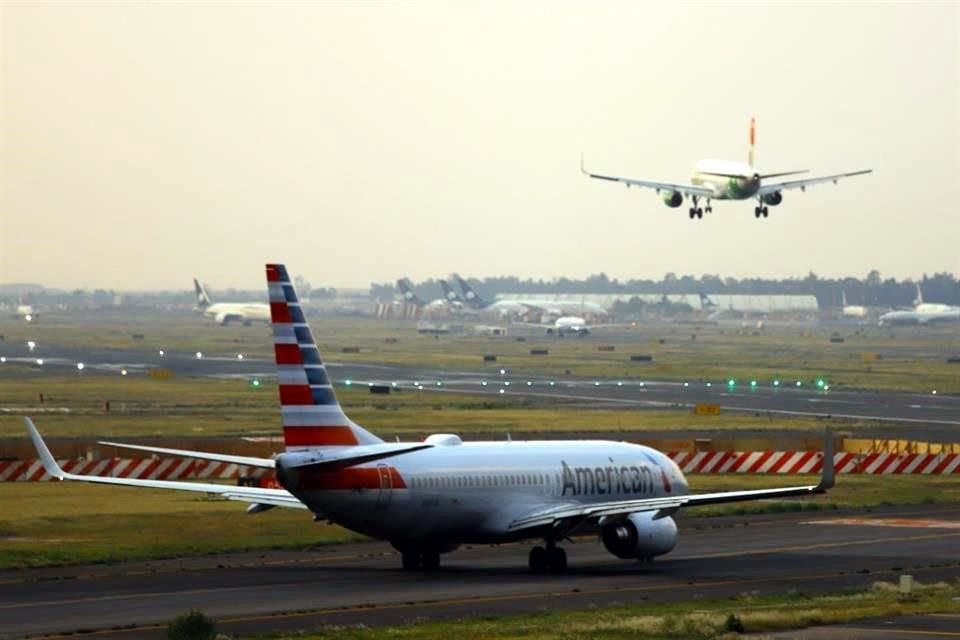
[
  {"x": 776, "y": 383},
  {"x": 731, "y": 382},
  {"x": 753, "y": 383},
  {"x": 820, "y": 382},
  {"x": 254, "y": 384},
  {"x": 347, "y": 383}
]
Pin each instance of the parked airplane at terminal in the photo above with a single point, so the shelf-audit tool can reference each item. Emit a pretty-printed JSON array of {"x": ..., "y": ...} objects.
[
  {"x": 501, "y": 308},
  {"x": 428, "y": 497},
  {"x": 224, "y": 313},
  {"x": 433, "y": 307},
  {"x": 726, "y": 180}
]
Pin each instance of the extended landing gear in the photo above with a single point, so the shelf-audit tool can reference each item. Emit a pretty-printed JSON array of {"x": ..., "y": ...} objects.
[
  {"x": 761, "y": 211},
  {"x": 696, "y": 211},
  {"x": 421, "y": 560},
  {"x": 553, "y": 559}
]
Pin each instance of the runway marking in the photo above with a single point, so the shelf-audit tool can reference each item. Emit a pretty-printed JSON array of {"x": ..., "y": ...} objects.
[
  {"x": 913, "y": 523},
  {"x": 902, "y": 631},
  {"x": 823, "y": 545}
]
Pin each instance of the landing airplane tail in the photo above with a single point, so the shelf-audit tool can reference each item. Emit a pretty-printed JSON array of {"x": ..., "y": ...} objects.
[
  {"x": 472, "y": 297},
  {"x": 203, "y": 298},
  {"x": 449, "y": 294},
  {"x": 312, "y": 417},
  {"x": 406, "y": 291}
]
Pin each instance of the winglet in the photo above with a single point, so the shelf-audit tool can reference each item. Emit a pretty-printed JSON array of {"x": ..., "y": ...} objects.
[
  {"x": 582, "y": 170},
  {"x": 49, "y": 464},
  {"x": 827, "y": 473}
]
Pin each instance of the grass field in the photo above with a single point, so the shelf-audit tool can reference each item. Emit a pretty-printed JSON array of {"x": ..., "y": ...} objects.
[
  {"x": 715, "y": 619},
  {"x": 75, "y": 523},
  {"x": 909, "y": 359},
  {"x": 198, "y": 406}
]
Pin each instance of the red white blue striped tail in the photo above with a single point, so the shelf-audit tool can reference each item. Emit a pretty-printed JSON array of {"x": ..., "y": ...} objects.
[{"x": 312, "y": 417}]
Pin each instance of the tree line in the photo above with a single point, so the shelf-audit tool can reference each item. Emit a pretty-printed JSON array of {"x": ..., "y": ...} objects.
[{"x": 871, "y": 290}]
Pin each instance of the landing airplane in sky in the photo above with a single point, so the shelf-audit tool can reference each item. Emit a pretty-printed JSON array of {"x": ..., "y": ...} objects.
[
  {"x": 727, "y": 180},
  {"x": 428, "y": 497},
  {"x": 224, "y": 313}
]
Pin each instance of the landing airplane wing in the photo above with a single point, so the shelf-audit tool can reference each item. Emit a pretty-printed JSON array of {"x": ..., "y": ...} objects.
[
  {"x": 667, "y": 505},
  {"x": 685, "y": 189},
  {"x": 255, "y": 495},
  {"x": 806, "y": 182}
]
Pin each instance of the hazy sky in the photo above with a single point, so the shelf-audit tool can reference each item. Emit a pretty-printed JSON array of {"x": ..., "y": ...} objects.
[{"x": 144, "y": 143}]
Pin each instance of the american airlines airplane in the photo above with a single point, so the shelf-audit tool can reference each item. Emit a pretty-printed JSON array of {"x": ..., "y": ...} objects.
[
  {"x": 428, "y": 497},
  {"x": 224, "y": 313},
  {"x": 727, "y": 180}
]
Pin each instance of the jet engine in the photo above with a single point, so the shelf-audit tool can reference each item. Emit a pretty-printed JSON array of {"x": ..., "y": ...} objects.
[
  {"x": 639, "y": 536},
  {"x": 773, "y": 199},
  {"x": 673, "y": 199}
]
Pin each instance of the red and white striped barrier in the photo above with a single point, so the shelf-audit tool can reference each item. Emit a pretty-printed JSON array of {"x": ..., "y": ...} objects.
[
  {"x": 141, "y": 468},
  {"x": 812, "y": 461},
  {"x": 783, "y": 462}
]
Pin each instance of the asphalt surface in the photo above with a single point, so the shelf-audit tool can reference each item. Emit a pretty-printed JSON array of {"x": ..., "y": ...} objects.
[
  {"x": 930, "y": 416},
  {"x": 362, "y": 583},
  {"x": 940, "y": 625}
]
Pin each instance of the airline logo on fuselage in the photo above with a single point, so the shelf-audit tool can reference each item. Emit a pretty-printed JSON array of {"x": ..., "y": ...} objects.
[{"x": 607, "y": 480}]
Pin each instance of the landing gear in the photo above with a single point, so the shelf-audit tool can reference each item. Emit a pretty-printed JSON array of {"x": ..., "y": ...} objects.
[
  {"x": 761, "y": 210},
  {"x": 414, "y": 560},
  {"x": 696, "y": 211},
  {"x": 553, "y": 559}
]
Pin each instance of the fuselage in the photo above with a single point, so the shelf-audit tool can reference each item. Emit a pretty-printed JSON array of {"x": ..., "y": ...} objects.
[
  {"x": 471, "y": 492},
  {"x": 729, "y": 180},
  {"x": 243, "y": 312},
  {"x": 945, "y": 315}
]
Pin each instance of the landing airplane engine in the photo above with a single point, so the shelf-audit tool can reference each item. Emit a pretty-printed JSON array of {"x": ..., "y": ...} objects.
[
  {"x": 773, "y": 199},
  {"x": 639, "y": 536},
  {"x": 673, "y": 199}
]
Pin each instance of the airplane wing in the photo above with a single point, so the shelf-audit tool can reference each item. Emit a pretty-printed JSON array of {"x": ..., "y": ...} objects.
[
  {"x": 255, "y": 495},
  {"x": 806, "y": 182},
  {"x": 685, "y": 189},
  {"x": 667, "y": 505}
]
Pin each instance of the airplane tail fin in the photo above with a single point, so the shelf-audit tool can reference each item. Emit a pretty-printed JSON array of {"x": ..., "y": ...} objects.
[
  {"x": 406, "y": 291},
  {"x": 471, "y": 296},
  {"x": 843, "y": 297},
  {"x": 203, "y": 298},
  {"x": 706, "y": 302},
  {"x": 312, "y": 417},
  {"x": 919, "y": 299},
  {"x": 753, "y": 139},
  {"x": 448, "y": 293}
]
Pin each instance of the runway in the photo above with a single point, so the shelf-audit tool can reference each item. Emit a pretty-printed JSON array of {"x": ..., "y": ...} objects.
[
  {"x": 362, "y": 583},
  {"x": 929, "y": 416}
]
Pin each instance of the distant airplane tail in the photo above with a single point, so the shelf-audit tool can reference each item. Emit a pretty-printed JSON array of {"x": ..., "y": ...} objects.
[
  {"x": 706, "y": 302},
  {"x": 203, "y": 298},
  {"x": 843, "y": 297},
  {"x": 406, "y": 292},
  {"x": 753, "y": 140},
  {"x": 312, "y": 417},
  {"x": 449, "y": 294},
  {"x": 471, "y": 296},
  {"x": 919, "y": 299}
]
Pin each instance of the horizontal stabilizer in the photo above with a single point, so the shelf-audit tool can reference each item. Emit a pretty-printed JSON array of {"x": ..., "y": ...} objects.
[
  {"x": 261, "y": 463},
  {"x": 351, "y": 456}
]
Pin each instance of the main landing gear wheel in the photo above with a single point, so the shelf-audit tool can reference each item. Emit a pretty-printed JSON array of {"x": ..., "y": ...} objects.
[
  {"x": 697, "y": 212},
  {"x": 417, "y": 560},
  {"x": 761, "y": 211},
  {"x": 553, "y": 559}
]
